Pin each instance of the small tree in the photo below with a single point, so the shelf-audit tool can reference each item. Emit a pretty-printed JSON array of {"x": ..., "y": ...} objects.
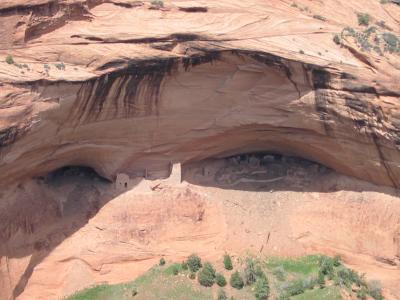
[
  {"x": 162, "y": 261},
  {"x": 9, "y": 60},
  {"x": 222, "y": 295},
  {"x": 206, "y": 275},
  {"x": 194, "y": 262},
  {"x": 236, "y": 281},
  {"x": 250, "y": 272},
  {"x": 228, "y": 262},
  {"x": 363, "y": 19},
  {"x": 261, "y": 289},
  {"x": 220, "y": 279}
]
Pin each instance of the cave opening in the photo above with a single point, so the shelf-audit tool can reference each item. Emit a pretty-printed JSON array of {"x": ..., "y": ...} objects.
[
  {"x": 72, "y": 173},
  {"x": 257, "y": 171}
]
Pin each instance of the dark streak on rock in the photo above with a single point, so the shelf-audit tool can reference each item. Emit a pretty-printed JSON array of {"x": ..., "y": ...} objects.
[
  {"x": 382, "y": 158},
  {"x": 194, "y": 9},
  {"x": 8, "y": 136},
  {"x": 322, "y": 107},
  {"x": 199, "y": 59},
  {"x": 135, "y": 87}
]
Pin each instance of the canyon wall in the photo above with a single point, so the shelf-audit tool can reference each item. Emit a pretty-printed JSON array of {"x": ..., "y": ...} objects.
[{"x": 126, "y": 87}]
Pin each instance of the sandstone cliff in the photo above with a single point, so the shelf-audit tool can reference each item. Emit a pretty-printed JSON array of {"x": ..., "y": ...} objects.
[
  {"x": 125, "y": 86},
  {"x": 117, "y": 85}
]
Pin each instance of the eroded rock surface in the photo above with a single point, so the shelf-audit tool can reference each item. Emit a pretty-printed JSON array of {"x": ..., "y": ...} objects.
[{"x": 124, "y": 87}]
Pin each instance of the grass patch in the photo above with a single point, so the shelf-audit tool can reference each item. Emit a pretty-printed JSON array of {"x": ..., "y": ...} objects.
[
  {"x": 313, "y": 277},
  {"x": 306, "y": 265},
  {"x": 329, "y": 293}
]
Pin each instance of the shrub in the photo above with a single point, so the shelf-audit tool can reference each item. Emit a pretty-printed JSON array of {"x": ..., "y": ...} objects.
[
  {"x": 157, "y": 3},
  {"x": 9, "y": 60},
  {"x": 175, "y": 269},
  {"x": 337, "y": 261},
  {"x": 250, "y": 272},
  {"x": 222, "y": 295},
  {"x": 192, "y": 275},
  {"x": 349, "y": 31},
  {"x": 220, "y": 279},
  {"x": 362, "y": 293},
  {"x": 392, "y": 42},
  {"x": 236, "y": 281},
  {"x": 294, "y": 288},
  {"x": 336, "y": 39},
  {"x": 162, "y": 261},
  {"x": 228, "y": 262},
  {"x": 184, "y": 265},
  {"x": 279, "y": 273},
  {"x": 194, "y": 263},
  {"x": 60, "y": 66},
  {"x": 326, "y": 265},
  {"x": 261, "y": 289},
  {"x": 301, "y": 52},
  {"x": 363, "y": 19},
  {"x": 206, "y": 275},
  {"x": 259, "y": 272},
  {"x": 375, "y": 290}
]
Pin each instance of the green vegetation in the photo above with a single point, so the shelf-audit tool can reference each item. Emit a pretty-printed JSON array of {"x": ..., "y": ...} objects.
[
  {"x": 313, "y": 277},
  {"x": 206, "y": 275},
  {"x": 304, "y": 265},
  {"x": 329, "y": 293},
  {"x": 371, "y": 39},
  {"x": 228, "y": 262},
  {"x": 250, "y": 272},
  {"x": 194, "y": 263},
  {"x": 236, "y": 281},
  {"x": 157, "y": 4},
  {"x": 392, "y": 43},
  {"x": 261, "y": 289},
  {"x": 173, "y": 269},
  {"x": 220, "y": 280},
  {"x": 9, "y": 60},
  {"x": 363, "y": 19},
  {"x": 162, "y": 261},
  {"x": 60, "y": 66}
]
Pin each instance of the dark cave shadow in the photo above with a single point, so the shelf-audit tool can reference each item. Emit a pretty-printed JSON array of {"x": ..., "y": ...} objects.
[
  {"x": 267, "y": 172},
  {"x": 37, "y": 225}
]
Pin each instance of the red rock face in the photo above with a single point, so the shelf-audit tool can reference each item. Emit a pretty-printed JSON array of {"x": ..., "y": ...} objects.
[{"x": 125, "y": 87}]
